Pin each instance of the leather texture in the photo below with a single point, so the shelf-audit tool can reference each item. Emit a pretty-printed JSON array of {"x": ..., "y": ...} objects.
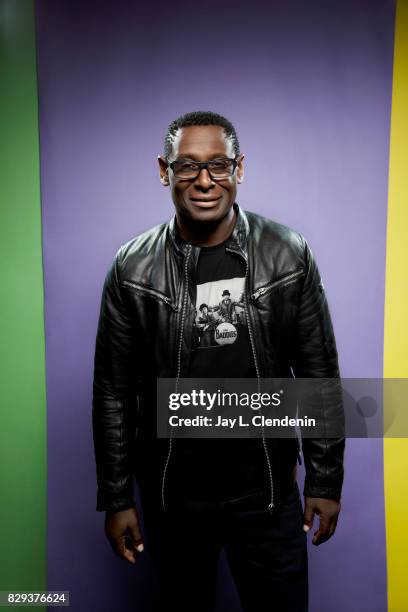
[{"x": 144, "y": 332}]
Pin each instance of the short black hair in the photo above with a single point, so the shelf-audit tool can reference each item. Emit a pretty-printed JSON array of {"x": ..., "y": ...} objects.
[{"x": 199, "y": 118}]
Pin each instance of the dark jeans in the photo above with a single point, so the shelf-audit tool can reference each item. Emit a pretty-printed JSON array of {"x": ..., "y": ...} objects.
[{"x": 267, "y": 554}]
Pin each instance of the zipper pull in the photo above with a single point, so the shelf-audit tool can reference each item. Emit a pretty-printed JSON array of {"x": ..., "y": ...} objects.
[{"x": 256, "y": 295}]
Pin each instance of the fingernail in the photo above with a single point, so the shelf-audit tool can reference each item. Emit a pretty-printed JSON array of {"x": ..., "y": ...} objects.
[
  {"x": 306, "y": 528},
  {"x": 140, "y": 547}
]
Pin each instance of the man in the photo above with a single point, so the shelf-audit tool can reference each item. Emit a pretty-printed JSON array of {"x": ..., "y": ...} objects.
[
  {"x": 226, "y": 306},
  {"x": 201, "y": 495},
  {"x": 205, "y": 323}
]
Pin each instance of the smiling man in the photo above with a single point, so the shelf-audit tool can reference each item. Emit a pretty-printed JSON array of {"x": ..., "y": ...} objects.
[
  {"x": 203, "y": 200},
  {"x": 269, "y": 319}
]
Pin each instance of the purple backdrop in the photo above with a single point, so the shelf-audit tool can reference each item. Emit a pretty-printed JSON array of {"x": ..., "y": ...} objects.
[{"x": 308, "y": 86}]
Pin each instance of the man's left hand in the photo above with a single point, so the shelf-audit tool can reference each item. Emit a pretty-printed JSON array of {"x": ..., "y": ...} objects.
[{"x": 328, "y": 511}]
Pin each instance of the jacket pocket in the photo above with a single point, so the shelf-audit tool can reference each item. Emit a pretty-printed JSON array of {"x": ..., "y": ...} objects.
[
  {"x": 150, "y": 292},
  {"x": 283, "y": 281}
]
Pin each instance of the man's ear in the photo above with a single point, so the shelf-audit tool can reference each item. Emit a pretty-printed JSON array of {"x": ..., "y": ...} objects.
[
  {"x": 240, "y": 169},
  {"x": 164, "y": 170}
]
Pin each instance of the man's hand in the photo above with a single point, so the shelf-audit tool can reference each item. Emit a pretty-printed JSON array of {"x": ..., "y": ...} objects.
[
  {"x": 328, "y": 511},
  {"x": 123, "y": 532}
]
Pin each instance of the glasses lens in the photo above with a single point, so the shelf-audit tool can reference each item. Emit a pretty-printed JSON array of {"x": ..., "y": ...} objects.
[
  {"x": 186, "y": 170},
  {"x": 221, "y": 168}
]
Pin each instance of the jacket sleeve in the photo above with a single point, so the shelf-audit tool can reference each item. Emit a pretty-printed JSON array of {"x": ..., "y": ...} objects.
[
  {"x": 113, "y": 410},
  {"x": 316, "y": 357}
]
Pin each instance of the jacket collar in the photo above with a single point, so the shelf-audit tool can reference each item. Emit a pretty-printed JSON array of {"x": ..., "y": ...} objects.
[{"x": 238, "y": 238}]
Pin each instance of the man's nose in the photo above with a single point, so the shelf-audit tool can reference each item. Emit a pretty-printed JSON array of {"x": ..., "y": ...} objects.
[{"x": 204, "y": 179}]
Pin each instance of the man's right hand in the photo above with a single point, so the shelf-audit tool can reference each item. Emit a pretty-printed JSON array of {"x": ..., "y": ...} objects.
[{"x": 123, "y": 532}]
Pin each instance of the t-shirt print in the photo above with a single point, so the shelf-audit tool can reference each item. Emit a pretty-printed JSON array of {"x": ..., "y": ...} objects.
[{"x": 220, "y": 313}]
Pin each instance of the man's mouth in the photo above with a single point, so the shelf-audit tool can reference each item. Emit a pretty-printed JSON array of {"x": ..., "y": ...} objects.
[{"x": 205, "y": 202}]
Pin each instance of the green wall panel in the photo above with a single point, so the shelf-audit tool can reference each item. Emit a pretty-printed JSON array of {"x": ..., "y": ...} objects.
[{"x": 22, "y": 354}]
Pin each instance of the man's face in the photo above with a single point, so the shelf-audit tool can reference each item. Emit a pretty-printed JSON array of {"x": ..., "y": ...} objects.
[{"x": 202, "y": 199}]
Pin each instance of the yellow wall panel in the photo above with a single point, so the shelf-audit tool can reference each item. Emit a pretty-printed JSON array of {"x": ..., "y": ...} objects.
[{"x": 396, "y": 321}]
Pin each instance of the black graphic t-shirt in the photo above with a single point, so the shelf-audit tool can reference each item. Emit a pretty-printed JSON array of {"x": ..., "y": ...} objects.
[
  {"x": 221, "y": 346},
  {"x": 220, "y": 468}
]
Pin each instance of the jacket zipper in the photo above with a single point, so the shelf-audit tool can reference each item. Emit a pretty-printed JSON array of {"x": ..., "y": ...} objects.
[
  {"x": 287, "y": 279},
  {"x": 183, "y": 316},
  {"x": 251, "y": 337},
  {"x": 152, "y": 292}
]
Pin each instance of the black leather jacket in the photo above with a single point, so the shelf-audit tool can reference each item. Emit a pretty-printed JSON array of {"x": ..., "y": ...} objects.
[{"x": 144, "y": 332}]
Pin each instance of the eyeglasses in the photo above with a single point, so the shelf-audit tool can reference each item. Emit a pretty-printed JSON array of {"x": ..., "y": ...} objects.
[{"x": 217, "y": 168}]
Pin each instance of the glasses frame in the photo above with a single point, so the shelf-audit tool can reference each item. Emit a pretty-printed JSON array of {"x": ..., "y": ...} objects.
[{"x": 203, "y": 165}]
